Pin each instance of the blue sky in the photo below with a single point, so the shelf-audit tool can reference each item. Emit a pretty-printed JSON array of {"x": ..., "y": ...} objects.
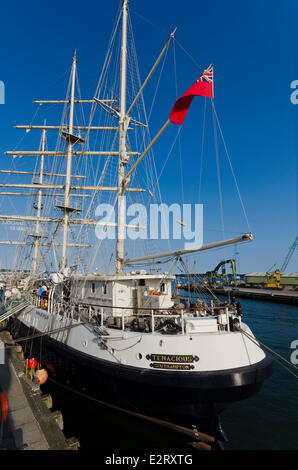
[{"x": 252, "y": 46}]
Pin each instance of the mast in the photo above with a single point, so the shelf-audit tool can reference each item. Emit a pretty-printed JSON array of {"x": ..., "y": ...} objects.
[
  {"x": 39, "y": 206},
  {"x": 123, "y": 158},
  {"x": 41, "y": 187},
  {"x": 68, "y": 168}
]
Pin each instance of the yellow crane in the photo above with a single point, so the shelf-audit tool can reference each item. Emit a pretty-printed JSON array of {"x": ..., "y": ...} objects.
[
  {"x": 212, "y": 275},
  {"x": 273, "y": 279}
]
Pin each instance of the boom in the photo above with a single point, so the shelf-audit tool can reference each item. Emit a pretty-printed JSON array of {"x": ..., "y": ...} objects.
[{"x": 289, "y": 255}]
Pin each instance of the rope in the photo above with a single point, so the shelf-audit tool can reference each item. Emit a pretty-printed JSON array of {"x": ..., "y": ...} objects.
[
  {"x": 166, "y": 160},
  {"x": 129, "y": 412},
  {"x": 159, "y": 308},
  {"x": 218, "y": 175},
  {"x": 179, "y": 137},
  {"x": 128, "y": 347},
  {"x": 258, "y": 343},
  {"x": 202, "y": 150},
  {"x": 230, "y": 163},
  {"x": 39, "y": 335},
  {"x": 188, "y": 54},
  {"x": 147, "y": 21}
]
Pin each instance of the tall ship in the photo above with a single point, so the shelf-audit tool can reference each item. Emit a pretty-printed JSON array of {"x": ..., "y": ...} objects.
[{"x": 123, "y": 336}]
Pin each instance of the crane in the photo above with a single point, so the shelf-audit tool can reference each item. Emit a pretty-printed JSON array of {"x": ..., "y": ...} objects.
[
  {"x": 211, "y": 275},
  {"x": 273, "y": 278},
  {"x": 289, "y": 255}
]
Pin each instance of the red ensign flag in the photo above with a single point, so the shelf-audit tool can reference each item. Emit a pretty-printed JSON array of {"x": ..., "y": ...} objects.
[{"x": 202, "y": 87}]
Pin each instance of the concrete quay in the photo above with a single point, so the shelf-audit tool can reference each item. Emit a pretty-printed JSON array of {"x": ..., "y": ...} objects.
[
  {"x": 30, "y": 424},
  {"x": 270, "y": 295}
]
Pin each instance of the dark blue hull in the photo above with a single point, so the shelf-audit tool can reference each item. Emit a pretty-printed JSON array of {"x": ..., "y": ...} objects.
[{"x": 187, "y": 398}]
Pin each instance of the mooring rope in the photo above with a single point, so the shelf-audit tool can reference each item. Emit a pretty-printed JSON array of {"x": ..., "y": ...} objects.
[
  {"x": 199, "y": 436},
  {"x": 259, "y": 343},
  {"x": 38, "y": 335}
]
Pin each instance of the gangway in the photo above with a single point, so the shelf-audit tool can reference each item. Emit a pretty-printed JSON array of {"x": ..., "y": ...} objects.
[{"x": 11, "y": 307}]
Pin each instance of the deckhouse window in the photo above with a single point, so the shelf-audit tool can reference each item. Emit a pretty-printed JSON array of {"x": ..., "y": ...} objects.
[
  {"x": 162, "y": 287},
  {"x": 93, "y": 287},
  {"x": 104, "y": 289}
]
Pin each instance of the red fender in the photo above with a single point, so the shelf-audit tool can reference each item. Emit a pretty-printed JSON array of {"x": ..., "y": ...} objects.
[
  {"x": 3, "y": 406},
  {"x": 32, "y": 363}
]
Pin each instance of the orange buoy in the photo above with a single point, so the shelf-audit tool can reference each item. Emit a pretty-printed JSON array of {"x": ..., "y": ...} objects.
[
  {"x": 3, "y": 406},
  {"x": 42, "y": 376}
]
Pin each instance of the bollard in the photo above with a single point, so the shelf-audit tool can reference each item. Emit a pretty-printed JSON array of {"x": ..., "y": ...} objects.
[
  {"x": 19, "y": 351},
  {"x": 57, "y": 415},
  {"x": 73, "y": 443},
  {"x": 6, "y": 335},
  {"x": 47, "y": 399}
]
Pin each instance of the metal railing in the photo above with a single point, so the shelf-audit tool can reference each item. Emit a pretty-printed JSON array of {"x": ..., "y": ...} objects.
[
  {"x": 182, "y": 314},
  {"x": 76, "y": 310}
]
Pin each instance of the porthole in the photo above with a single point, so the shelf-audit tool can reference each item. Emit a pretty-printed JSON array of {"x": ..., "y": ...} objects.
[
  {"x": 84, "y": 343},
  {"x": 139, "y": 356}
]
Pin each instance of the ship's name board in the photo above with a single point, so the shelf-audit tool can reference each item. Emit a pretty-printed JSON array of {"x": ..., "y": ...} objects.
[
  {"x": 161, "y": 365},
  {"x": 179, "y": 358}
]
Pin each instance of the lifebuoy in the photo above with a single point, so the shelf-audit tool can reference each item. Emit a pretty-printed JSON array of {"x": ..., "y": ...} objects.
[{"x": 154, "y": 292}]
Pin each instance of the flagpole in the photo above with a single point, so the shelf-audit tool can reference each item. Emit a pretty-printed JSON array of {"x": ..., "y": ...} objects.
[{"x": 146, "y": 151}]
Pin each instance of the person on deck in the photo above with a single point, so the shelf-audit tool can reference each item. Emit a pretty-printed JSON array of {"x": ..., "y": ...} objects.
[{"x": 40, "y": 291}]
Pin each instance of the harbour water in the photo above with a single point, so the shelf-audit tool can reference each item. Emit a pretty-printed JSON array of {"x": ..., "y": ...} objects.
[{"x": 267, "y": 421}]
